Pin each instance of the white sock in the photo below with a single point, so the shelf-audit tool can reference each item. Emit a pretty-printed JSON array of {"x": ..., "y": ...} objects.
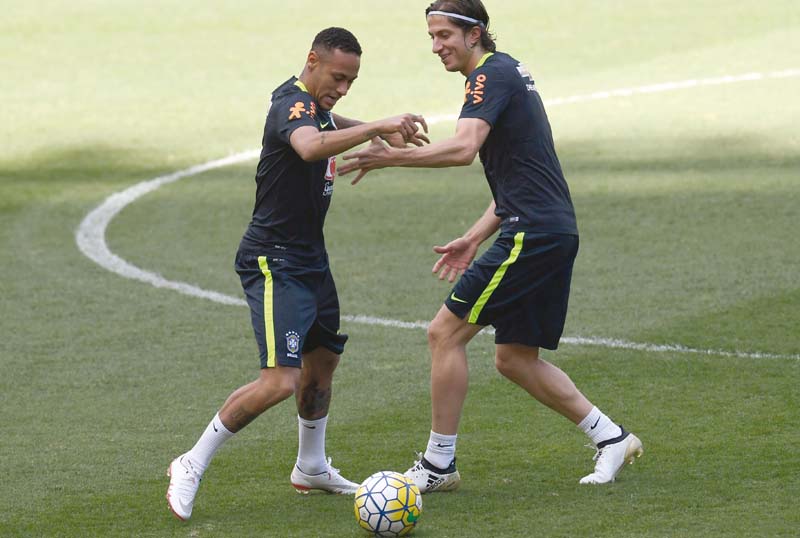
[
  {"x": 441, "y": 449},
  {"x": 311, "y": 449},
  {"x": 215, "y": 435},
  {"x": 599, "y": 427}
]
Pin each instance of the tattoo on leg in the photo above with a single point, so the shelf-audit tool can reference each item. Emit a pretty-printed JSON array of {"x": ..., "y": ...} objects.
[{"x": 314, "y": 401}]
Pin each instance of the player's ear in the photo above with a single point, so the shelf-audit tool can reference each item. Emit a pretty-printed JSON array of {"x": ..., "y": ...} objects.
[
  {"x": 474, "y": 38},
  {"x": 312, "y": 61}
]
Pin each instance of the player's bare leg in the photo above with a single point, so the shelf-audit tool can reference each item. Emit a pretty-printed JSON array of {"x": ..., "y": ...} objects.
[
  {"x": 552, "y": 387},
  {"x": 545, "y": 382},
  {"x": 313, "y": 397},
  {"x": 246, "y": 403},
  {"x": 448, "y": 336},
  {"x": 314, "y": 391}
]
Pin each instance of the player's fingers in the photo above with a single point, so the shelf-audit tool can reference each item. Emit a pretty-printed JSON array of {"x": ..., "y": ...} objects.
[
  {"x": 419, "y": 118},
  {"x": 451, "y": 274},
  {"x": 358, "y": 177},
  {"x": 455, "y": 274},
  {"x": 423, "y": 138},
  {"x": 346, "y": 168}
]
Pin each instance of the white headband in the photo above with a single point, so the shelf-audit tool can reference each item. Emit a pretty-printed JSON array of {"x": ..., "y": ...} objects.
[{"x": 457, "y": 16}]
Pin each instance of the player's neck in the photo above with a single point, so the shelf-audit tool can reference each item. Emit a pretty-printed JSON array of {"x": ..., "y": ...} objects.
[
  {"x": 306, "y": 84},
  {"x": 475, "y": 60}
]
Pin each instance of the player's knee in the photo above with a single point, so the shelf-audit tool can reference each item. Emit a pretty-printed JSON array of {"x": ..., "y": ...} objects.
[
  {"x": 442, "y": 334},
  {"x": 438, "y": 336},
  {"x": 504, "y": 364},
  {"x": 508, "y": 364},
  {"x": 278, "y": 384},
  {"x": 327, "y": 361},
  {"x": 320, "y": 364}
]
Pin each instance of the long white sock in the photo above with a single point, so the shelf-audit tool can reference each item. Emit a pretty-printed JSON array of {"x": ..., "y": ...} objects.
[
  {"x": 311, "y": 449},
  {"x": 441, "y": 449},
  {"x": 213, "y": 437},
  {"x": 599, "y": 427}
]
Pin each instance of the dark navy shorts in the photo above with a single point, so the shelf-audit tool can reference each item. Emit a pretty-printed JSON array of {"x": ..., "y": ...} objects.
[
  {"x": 520, "y": 285},
  {"x": 293, "y": 305}
]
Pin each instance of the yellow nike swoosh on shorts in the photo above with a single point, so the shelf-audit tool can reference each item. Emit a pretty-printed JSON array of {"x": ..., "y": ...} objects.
[{"x": 456, "y": 299}]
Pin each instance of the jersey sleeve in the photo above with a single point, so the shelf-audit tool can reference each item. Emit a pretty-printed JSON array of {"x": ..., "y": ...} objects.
[
  {"x": 295, "y": 110},
  {"x": 486, "y": 95}
]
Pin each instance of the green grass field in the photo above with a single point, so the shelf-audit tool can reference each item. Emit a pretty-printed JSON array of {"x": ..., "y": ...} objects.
[{"x": 687, "y": 203}]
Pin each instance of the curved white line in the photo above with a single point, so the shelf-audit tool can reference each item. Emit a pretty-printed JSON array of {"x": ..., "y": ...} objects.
[{"x": 90, "y": 235}]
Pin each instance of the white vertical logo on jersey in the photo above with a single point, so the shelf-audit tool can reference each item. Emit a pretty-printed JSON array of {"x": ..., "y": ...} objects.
[
  {"x": 524, "y": 73},
  {"x": 330, "y": 174}
]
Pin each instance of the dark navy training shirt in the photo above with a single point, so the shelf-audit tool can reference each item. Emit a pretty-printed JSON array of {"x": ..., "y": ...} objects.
[
  {"x": 518, "y": 156},
  {"x": 292, "y": 196}
]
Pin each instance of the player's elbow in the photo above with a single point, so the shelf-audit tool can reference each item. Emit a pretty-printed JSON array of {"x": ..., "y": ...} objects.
[
  {"x": 305, "y": 141},
  {"x": 464, "y": 155},
  {"x": 305, "y": 152}
]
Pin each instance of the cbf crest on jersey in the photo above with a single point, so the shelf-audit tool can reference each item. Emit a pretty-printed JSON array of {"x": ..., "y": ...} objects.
[{"x": 292, "y": 342}]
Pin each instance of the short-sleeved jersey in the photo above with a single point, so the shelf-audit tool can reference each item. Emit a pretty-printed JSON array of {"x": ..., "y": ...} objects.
[
  {"x": 518, "y": 156},
  {"x": 292, "y": 195}
]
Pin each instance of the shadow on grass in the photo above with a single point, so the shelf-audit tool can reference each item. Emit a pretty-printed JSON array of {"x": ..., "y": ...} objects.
[{"x": 92, "y": 170}]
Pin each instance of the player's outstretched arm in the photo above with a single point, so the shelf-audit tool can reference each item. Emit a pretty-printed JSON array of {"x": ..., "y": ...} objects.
[
  {"x": 459, "y": 253},
  {"x": 396, "y": 140},
  {"x": 313, "y": 145},
  {"x": 459, "y": 150}
]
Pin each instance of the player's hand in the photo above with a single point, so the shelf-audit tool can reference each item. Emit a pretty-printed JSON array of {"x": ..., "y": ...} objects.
[
  {"x": 456, "y": 257},
  {"x": 396, "y": 140},
  {"x": 404, "y": 124},
  {"x": 373, "y": 157}
]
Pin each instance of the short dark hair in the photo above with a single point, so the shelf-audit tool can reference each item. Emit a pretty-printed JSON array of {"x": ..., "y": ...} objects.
[
  {"x": 337, "y": 38},
  {"x": 473, "y": 9}
]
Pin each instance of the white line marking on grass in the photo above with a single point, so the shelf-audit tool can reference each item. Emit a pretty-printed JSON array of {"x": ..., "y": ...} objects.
[
  {"x": 612, "y": 343},
  {"x": 91, "y": 234},
  {"x": 91, "y": 240}
]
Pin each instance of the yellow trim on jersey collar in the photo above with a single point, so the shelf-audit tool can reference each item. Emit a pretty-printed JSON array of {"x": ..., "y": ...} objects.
[
  {"x": 483, "y": 60},
  {"x": 301, "y": 85}
]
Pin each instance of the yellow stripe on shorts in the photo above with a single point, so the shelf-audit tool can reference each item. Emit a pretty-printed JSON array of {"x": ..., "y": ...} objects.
[
  {"x": 496, "y": 278},
  {"x": 269, "y": 326}
]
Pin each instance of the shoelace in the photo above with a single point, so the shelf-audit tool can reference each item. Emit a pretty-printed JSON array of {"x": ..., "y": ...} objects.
[
  {"x": 331, "y": 468},
  {"x": 598, "y": 451}
]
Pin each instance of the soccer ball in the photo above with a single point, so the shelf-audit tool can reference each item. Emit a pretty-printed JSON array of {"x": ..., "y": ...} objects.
[{"x": 388, "y": 504}]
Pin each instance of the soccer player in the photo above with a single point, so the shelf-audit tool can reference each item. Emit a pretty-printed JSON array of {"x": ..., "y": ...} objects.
[
  {"x": 520, "y": 285},
  {"x": 283, "y": 266}
]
